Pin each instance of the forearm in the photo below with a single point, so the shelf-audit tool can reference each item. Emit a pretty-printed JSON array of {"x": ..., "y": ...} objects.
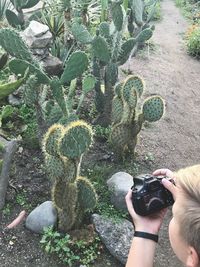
[{"x": 141, "y": 253}]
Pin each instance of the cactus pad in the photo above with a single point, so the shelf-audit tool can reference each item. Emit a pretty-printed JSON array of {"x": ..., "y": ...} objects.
[
  {"x": 117, "y": 15},
  {"x": 117, "y": 109},
  {"x": 55, "y": 166},
  {"x": 12, "y": 43},
  {"x": 101, "y": 49},
  {"x": 120, "y": 135},
  {"x": 129, "y": 92},
  {"x": 125, "y": 51},
  {"x": 76, "y": 139},
  {"x": 111, "y": 72},
  {"x": 144, "y": 35},
  {"x": 153, "y": 108},
  {"x": 75, "y": 66},
  {"x": 118, "y": 89},
  {"x": 104, "y": 29},
  {"x": 86, "y": 194},
  {"x": 19, "y": 66},
  {"x": 81, "y": 33},
  {"x": 50, "y": 141}
]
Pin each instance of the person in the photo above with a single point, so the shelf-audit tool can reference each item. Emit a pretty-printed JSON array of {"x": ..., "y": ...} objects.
[{"x": 184, "y": 227}]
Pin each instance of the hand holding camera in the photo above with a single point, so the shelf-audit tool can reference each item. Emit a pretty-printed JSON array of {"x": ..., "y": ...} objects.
[
  {"x": 149, "y": 195},
  {"x": 153, "y": 221}
]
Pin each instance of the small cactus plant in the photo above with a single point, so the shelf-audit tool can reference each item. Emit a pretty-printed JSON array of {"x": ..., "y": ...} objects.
[
  {"x": 127, "y": 120},
  {"x": 72, "y": 194}
]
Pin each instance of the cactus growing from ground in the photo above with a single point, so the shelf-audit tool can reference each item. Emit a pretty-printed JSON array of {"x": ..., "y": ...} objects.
[
  {"x": 62, "y": 105},
  {"x": 72, "y": 194},
  {"x": 127, "y": 120},
  {"x": 109, "y": 51}
]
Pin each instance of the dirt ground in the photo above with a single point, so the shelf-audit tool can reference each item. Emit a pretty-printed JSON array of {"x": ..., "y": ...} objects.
[{"x": 173, "y": 142}]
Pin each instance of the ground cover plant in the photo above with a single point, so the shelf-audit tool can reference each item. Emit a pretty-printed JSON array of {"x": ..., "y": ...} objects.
[{"x": 191, "y": 9}]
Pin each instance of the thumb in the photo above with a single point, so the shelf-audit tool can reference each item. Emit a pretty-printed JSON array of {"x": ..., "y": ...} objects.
[{"x": 169, "y": 186}]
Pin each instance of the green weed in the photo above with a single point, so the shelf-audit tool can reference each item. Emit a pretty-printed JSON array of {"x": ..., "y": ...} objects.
[
  {"x": 7, "y": 210},
  {"x": 21, "y": 199},
  {"x": 68, "y": 251}
]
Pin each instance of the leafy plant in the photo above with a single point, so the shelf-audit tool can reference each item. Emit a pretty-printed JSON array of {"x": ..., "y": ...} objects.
[
  {"x": 102, "y": 132},
  {"x": 7, "y": 209},
  {"x": 193, "y": 42},
  {"x": 69, "y": 251}
]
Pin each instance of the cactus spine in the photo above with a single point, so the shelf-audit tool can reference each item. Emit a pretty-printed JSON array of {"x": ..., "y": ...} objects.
[
  {"x": 127, "y": 120},
  {"x": 72, "y": 194}
]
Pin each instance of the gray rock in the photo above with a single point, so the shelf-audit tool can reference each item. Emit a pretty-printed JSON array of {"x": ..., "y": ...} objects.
[
  {"x": 52, "y": 65},
  {"x": 40, "y": 52},
  {"x": 117, "y": 237},
  {"x": 36, "y": 29},
  {"x": 43, "y": 216},
  {"x": 37, "y": 35},
  {"x": 119, "y": 184},
  {"x": 14, "y": 101}
]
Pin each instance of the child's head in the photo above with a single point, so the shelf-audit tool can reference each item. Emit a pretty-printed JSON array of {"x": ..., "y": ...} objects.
[{"x": 184, "y": 229}]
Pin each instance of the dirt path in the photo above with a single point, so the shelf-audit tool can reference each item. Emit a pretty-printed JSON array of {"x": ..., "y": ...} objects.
[{"x": 174, "y": 141}]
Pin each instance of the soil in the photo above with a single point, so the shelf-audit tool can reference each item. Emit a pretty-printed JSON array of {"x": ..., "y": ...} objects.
[{"x": 173, "y": 142}]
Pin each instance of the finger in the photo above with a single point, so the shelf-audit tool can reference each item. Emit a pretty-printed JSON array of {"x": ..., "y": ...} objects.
[
  {"x": 165, "y": 172},
  {"x": 170, "y": 186},
  {"x": 129, "y": 203}
]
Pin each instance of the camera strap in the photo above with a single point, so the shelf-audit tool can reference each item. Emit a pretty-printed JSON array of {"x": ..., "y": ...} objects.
[{"x": 146, "y": 235}]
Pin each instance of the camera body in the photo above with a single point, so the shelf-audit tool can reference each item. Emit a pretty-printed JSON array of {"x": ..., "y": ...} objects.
[{"x": 149, "y": 195}]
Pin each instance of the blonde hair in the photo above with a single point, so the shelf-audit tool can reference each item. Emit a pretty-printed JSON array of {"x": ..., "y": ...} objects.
[{"x": 188, "y": 180}]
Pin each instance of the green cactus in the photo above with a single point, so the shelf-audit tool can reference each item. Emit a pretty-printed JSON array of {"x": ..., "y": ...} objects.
[
  {"x": 6, "y": 89},
  {"x": 17, "y": 20},
  {"x": 101, "y": 49},
  {"x": 153, "y": 108},
  {"x": 81, "y": 33},
  {"x": 144, "y": 35},
  {"x": 18, "y": 66},
  {"x": 104, "y": 29},
  {"x": 117, "y": 15},
  {"x": 3, "y": 59},
  {"x": 72, "y": 194},
  {"x": 75, "y": 66},
  {"x": 87, "y": 196},
  {"x": 50, "y": 140},
  {"x": 111, "y": 48},
  {"x": 126, "y": 127},
  {"x": 13, "y": 44},
  {"x": 75, "y": 139}
]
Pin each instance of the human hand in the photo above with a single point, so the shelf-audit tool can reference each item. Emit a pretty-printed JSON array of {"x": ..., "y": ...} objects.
[
  {"x": 165, "y": 172},
  {"x": 150, "y": 224},
  {"x": 167, "y": 184}
]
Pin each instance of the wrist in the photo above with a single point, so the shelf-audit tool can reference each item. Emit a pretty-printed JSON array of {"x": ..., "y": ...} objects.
[
  {"x": 146, "y": 230},
  {"x": 145, "y": 235}
]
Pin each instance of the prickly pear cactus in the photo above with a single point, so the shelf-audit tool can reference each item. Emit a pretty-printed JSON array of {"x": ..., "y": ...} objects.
[
  {"x": 72, "y": 195},
  {"x": 127, "y": 120}
]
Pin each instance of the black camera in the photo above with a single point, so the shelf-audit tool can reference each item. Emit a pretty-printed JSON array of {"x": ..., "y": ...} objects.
[{"x": 149, "y": 195}]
